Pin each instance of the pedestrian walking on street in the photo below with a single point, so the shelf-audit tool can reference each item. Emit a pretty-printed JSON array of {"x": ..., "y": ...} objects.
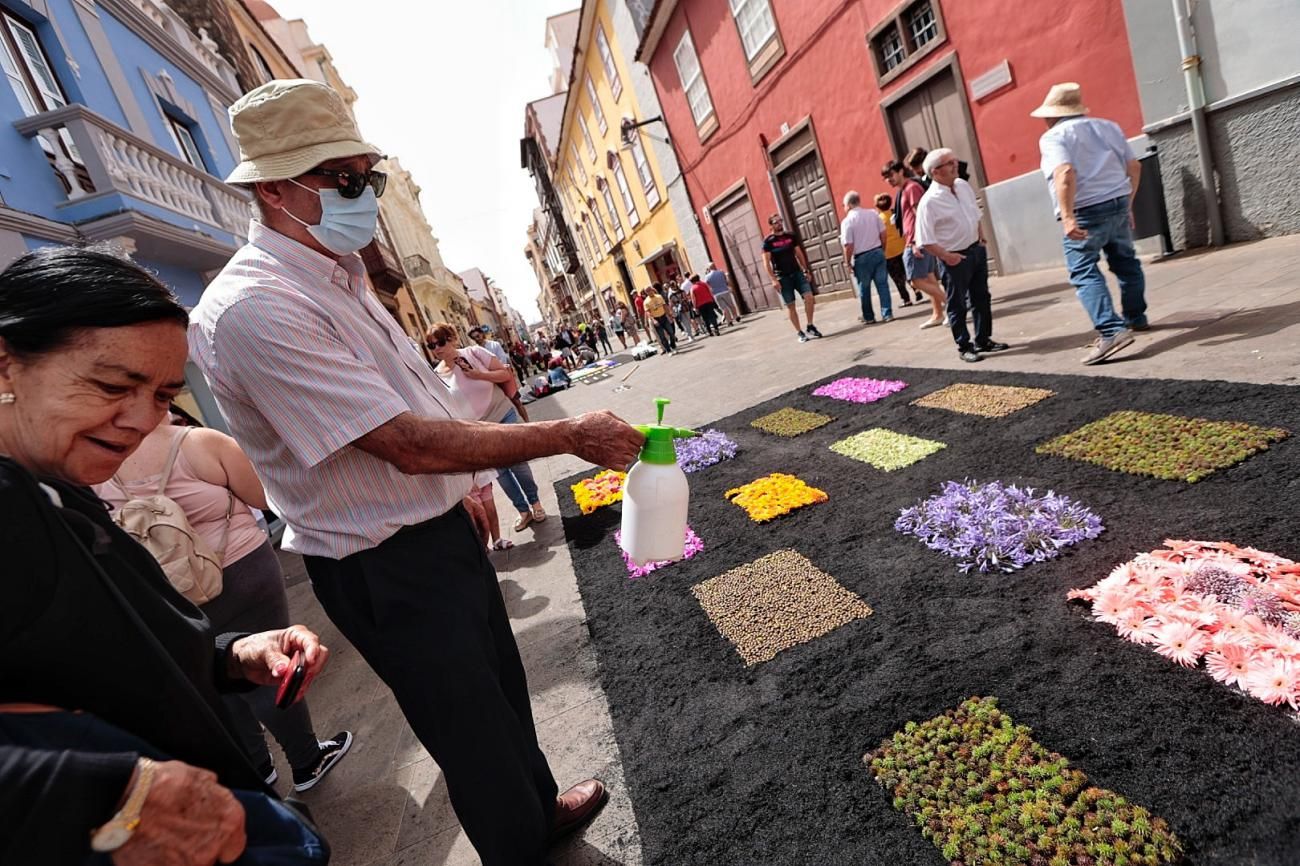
[
  {"x": 787, "y": 265},
  {"x": 616, "y": 326},
  {"x": 702, "y": 299},
  {"x": 921, "y": 268},
  {"x": 656, "y": 310},
  {"x": 1093, "y": 179},
  {"x": 213, "y": 483},
  {"x": 602, "y": 335},
  {"x": 679, "y": 300},
  {"x": 638, "y": 301},
  {"x": 862, "y": 236},
  {"x": 894, "y": 246},
  {"x": 369, "y": 456},
  {"x": 948, "y": 226},
  {"x": 484, "y": 383},
  {"x": 722, "y": 294}
]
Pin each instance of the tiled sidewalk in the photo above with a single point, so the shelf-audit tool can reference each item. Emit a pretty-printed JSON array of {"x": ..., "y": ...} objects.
[{"x": 1231, "y": 314}]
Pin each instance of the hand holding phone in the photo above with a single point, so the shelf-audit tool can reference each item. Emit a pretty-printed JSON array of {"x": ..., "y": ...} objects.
[{"x": 292, "y": 683}]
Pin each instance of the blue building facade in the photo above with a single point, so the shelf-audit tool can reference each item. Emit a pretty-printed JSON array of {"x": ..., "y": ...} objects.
[{"x": 113, "y": 128}]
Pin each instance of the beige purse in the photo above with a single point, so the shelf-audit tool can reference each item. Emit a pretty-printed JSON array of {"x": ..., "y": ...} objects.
[{"x": 162, "y": 528}]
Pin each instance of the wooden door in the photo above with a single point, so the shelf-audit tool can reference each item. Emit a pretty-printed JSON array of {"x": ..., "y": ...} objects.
[
  {"x": 934, "y": 116},
  {"x": 738, "y": 229},
  {"x": 815, "y": 222}
]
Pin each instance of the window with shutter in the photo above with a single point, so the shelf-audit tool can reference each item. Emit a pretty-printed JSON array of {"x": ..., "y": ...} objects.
[
  {"x": 625, "y": 192},
  {"x": 595, "y": 105},
  {"x": 644, "y": 173},
  {"x": 586, "y": 136},
  {"x": 756, "y": 24},
  {"x": 608, "y": 194},
  {"x": 607, "y": 61},
  {"x": 30, "y": 50},
  {"x": 693, "y": 85}
]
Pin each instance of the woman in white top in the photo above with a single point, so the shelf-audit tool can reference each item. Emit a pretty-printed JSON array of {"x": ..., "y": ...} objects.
[{"x": 481, "y": 379}]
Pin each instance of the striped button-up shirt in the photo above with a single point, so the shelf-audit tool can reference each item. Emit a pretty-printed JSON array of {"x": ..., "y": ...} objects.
[{"x": 303, "y": 360}]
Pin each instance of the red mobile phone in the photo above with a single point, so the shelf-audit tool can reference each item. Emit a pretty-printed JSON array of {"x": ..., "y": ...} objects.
[{"x": 292, "y": 682}]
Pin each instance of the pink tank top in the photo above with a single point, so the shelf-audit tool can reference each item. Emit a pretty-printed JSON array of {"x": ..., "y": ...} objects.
[{"x": 204, "y": 505}]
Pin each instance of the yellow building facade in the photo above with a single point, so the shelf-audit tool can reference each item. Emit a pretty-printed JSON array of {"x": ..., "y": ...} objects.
[{"x": 610, "y": 182}]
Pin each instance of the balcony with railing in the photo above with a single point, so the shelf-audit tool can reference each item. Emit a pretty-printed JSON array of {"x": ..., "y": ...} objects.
[{"x": 105, "y": 170}]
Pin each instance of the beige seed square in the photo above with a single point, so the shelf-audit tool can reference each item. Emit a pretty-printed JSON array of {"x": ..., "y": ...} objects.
[
  {"x": 990, "y": 401},
  {"x": 776, "y": 602}
]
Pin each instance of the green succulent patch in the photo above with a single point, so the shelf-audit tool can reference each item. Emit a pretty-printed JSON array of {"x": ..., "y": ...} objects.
[
  {"x": 1171, "y": 447},
  {"x": 984, "y": 792},
  {"x": 790, "y": 422},
  {"x": 885, "y": 449}
]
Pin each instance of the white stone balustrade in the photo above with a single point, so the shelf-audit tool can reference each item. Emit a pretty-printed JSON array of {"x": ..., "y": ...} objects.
[
  {"x": 201, "y": 47},
  {"x": 117, "y": 161}
]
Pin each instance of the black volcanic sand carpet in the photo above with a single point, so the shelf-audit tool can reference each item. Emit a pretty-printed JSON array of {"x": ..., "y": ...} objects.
[{"x": 729, "y": 763}]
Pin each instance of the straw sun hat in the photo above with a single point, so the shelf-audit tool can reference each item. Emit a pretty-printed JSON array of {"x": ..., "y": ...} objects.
[
  {"x": 288, "y": 126},
  {"x": 1063, "y": 100}
]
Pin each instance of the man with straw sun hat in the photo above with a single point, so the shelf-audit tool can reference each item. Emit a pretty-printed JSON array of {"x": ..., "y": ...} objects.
[
  {"x": 1093, "y": 177},
  {"x": 363, "y": 452}
]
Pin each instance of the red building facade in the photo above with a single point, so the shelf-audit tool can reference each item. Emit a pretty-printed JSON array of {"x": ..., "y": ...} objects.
[{"x": 785, "y": 105}]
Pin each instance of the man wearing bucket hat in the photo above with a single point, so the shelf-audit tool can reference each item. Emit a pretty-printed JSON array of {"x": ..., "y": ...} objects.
[
  {"x": 1093, "y": 177},
  {"x": 363, "y": 452}
]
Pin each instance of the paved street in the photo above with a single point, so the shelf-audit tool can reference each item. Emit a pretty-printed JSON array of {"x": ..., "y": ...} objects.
[{"x": 1233, "y": 314}]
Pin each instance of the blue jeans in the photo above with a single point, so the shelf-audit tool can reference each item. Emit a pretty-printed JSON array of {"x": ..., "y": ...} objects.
[
  {"x": 869, "y": 267},
  {"x": 1108, "y": 229},
  {"x": 517, "y": 481}
]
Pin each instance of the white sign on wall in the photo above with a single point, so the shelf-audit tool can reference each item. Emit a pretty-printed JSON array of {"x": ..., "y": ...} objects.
[{"x": 992, "y": 81}]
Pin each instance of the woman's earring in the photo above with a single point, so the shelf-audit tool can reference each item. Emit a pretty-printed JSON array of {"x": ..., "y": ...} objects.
[{"x": 8, "y": 397}]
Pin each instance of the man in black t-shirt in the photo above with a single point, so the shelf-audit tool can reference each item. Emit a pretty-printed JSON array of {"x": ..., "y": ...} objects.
[{"x": 787, "y": 264}]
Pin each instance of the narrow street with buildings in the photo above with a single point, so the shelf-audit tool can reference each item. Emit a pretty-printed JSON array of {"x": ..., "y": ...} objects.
[{"x": 386, "y": 806}]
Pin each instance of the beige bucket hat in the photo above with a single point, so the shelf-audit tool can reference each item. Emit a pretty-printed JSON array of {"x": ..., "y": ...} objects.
[
  {"x": 1063, "y": 100},
  {"x": 288, "y": 126}
]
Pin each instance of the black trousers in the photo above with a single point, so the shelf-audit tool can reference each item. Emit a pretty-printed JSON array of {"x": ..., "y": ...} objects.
[
  {"x": 898, "y": 274},
  {"x": 667, "y": 337},
  {"x": 709, "y": 312},
  {"x": 425, "y": 611},
  {"x": 967, "y": 286}
]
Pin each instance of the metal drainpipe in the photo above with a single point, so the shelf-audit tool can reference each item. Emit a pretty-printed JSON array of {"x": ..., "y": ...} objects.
[{"x": 1196, "y": 99}]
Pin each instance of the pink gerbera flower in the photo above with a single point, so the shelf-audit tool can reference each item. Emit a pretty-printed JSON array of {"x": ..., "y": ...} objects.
[
  {"x": 1229, "y": 665},
  {"x": 1272, "y": 680},
  {"x": 1136, "y": 626},
  {"x": 1112, "y": 604},
  {"x": 1180, "y": 642}
]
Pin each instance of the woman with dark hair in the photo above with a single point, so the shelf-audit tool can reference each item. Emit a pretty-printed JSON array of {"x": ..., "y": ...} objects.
[{"x": 113, "y": 735}]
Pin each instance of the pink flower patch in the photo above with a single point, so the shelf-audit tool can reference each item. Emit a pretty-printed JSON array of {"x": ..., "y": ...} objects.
[
  {"x": 860, "y": 390},
  {"x": 693, "y": 546},
  {"x": 1236, "y": 608}
]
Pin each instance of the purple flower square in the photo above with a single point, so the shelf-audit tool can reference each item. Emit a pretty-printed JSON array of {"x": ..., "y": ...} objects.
[{"x": 860, "y": 390}]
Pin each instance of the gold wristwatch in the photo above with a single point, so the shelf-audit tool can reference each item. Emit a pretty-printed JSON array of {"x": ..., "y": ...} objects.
[{"x": 117, "y": 831}]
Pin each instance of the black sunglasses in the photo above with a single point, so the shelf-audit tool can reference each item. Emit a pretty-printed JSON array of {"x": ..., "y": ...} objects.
[
  {"x": 353, "y": 183},
  {"x": 437, "y": 344}
]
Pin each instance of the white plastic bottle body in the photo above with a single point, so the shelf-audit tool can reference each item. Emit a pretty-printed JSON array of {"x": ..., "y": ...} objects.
[{"x": 655, "y": 498}]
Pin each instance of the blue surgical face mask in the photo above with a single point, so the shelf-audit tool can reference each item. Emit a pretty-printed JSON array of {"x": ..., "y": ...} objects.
[{"x": 346, "y": 224}]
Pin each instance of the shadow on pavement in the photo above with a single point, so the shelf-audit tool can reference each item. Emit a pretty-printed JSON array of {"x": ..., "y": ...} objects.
[{"x": 518, "y": 602}]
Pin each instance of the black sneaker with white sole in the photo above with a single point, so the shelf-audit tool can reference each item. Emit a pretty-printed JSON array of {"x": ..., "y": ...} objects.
[
  {"x": 813, "y": 332},
  {"x": 331, "y": 752}
]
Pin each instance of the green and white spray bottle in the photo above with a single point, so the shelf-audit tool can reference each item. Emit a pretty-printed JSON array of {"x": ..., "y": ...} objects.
[{"x": 655, "y": 496}]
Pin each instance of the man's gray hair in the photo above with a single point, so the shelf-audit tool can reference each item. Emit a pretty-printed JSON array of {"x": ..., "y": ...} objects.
[
  {"x": 852, "y": 199},
  {"x": 935, "y": 157}
]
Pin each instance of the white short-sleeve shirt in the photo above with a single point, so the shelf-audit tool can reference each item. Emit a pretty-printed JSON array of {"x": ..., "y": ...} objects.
[
  {"x": 861, "y": 228},
  {"x": 1099, "y": 153},
  {"x": 948, "y": 217}
]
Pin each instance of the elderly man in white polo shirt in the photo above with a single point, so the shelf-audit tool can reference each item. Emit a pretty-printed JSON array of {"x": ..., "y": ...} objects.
[
  {"x": 363, "y": 452},
  {"x": 1093, "y": 177},
  {"x": 862, "y": 236},
  {"x": 948, "y": 227}
]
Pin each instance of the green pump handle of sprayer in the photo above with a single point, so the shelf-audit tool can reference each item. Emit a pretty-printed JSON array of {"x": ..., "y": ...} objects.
[{"x": 658, "y": 446}]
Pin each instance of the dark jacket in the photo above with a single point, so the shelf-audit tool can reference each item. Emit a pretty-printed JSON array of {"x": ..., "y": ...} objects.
[{"x": 89, "y": 622}]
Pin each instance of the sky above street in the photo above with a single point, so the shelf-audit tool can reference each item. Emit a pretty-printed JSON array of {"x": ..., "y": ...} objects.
[{"x": 443, "y": 86}]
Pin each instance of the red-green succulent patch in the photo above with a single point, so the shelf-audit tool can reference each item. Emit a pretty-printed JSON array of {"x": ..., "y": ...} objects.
[
  {"x": 984, "y": 792},
  {"x": 1170, "y": 447}
]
